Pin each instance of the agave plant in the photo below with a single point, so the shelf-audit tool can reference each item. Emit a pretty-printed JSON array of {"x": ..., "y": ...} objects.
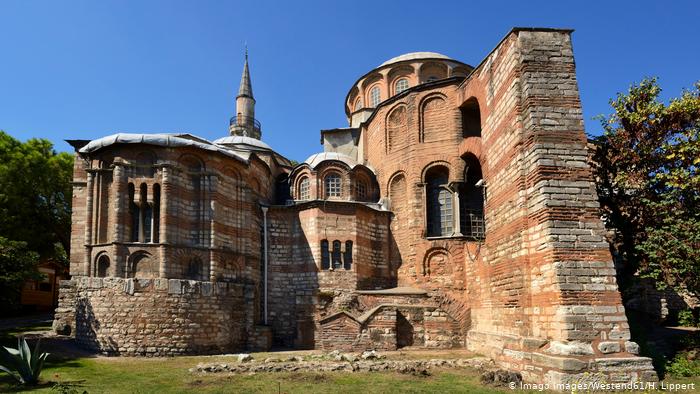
[{"x": 23, "y": 364}]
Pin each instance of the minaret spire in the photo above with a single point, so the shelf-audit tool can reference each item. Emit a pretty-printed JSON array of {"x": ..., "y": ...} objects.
[
  {"x": 246, "y": 87},
  {"x": 244, "y": 123}
]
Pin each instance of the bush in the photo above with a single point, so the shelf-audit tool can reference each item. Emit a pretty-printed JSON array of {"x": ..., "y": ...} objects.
[
  {"x": 681, "y": 366},
  {"x": 686, "y": 318}
]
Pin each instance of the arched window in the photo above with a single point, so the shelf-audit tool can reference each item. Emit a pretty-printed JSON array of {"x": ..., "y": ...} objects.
[
  {"x": 304, "y": 190},
  {"x": 358, "y": 104},
  {"x": 439, "y": 203},
  {"x": 325, "y": 255},
  {"x": 360, "y": 190},
  {"x": 471, "y": 200},
  {"x": 143, "y": 265},
  {"x": 347, "y": 256},
  {"x": 135, "y": 212},
  {"x": 156, "y": 213},
  {"x": 332, "y": 185},
  {"x": 146, "y": 218},
  {"x": 375, "y": 96},
  {"x": 401, "y": 85},
  {"x": 103, "y": 266},
  {"x": 471, "y": 118},
  {"x": 431, "y": 79},
  {"x": 433, "y": 122},
  {"x": 337, "y": 262},
  {"x": 195, "y": 269}
]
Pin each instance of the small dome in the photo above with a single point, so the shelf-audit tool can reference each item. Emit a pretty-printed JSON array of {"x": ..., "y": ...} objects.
[
  {"x": 318, "y": 158},
  {"x": 415, "y": 56},
  {"x": 314, "y": 160},
  {"x": 243, "y": 142}
]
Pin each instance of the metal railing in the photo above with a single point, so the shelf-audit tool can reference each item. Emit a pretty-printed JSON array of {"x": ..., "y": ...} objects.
[
  {"x": 472, "y": 223},
  {"x": 245, "y": 121}
]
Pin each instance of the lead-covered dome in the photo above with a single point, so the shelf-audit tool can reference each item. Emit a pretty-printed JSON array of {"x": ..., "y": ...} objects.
[
  {"x": 241, "y": 142},
  {"x": 415, "y": 56}
]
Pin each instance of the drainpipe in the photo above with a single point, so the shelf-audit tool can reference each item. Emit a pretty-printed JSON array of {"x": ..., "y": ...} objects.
[{"x": 264, "y": 210}]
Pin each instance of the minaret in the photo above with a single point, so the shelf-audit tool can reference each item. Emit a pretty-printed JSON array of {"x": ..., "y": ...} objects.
[{"x": 244, "y": 123}]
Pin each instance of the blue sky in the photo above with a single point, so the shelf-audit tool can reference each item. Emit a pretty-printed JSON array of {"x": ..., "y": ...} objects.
[{"x": 85, "y": 69}]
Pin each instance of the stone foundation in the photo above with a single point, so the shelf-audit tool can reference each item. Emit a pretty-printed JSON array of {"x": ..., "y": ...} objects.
[{"x": 158, "y": 317}]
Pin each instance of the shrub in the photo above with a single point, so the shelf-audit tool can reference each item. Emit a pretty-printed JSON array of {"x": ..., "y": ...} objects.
[
  {"x": 23, "y": 364},
  {"x": 686, "y": 318},
  {"x": 681, "y": 366}
]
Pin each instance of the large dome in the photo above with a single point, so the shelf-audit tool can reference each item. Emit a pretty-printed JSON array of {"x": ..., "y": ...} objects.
[{"x": 414, "y": 56}]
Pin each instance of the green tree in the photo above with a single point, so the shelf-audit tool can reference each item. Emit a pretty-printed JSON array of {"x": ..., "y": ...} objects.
[
  {"x": 35, "y": 215},
  {"x": 647, "y": 165},
  {"x": 17, "y": 264},
  {"x": 35, "y": 194}
]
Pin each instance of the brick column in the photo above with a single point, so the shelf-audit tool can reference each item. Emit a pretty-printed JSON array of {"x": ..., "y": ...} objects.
[{"x": 165, "y": 212}]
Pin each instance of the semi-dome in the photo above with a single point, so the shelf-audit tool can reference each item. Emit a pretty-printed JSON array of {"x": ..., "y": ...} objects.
[
  {"x": 242, "y": 142},
  {"x": 415, "y": 56}
]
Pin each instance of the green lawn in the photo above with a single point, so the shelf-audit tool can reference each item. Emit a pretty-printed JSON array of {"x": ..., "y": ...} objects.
[
  {"x": 141, "y": 375},
  {"x": 171, "y": 375}
]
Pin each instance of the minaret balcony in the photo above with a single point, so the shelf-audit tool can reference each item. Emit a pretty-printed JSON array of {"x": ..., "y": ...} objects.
[{"x": 245, "y": 123}]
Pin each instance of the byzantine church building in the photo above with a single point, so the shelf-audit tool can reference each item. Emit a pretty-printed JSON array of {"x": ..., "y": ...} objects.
[{"x": 456, "y": 210}]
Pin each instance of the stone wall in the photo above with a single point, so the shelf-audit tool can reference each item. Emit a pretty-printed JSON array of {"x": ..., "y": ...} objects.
[{"x": 159, "y": 317}]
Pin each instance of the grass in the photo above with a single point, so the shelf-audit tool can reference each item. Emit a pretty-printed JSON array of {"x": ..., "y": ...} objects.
[
  {"x": 171, "y": 375},
  {"x": 143, "y": 375}
]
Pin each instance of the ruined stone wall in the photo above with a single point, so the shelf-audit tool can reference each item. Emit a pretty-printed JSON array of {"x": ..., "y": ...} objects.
[{"x": 160, "y": 317}]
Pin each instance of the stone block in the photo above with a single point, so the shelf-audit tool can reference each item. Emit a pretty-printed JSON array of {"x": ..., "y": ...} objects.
[{"x": 609, "y": 347}]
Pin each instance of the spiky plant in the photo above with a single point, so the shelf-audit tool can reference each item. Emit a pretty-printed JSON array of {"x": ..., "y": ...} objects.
[{"x": 23, "y": 364}]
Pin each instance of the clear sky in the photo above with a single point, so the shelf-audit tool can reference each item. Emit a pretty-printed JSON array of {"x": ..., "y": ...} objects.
[{"x": 85, "y": 69}]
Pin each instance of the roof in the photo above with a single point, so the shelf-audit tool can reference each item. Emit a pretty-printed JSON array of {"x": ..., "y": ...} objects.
[
  {"x": 314, "y": 160},
  {"x": 246, "y": 88},
  {"x": 415, "y": 56},
  {"x": 242, "y": 142},
  {"x": 167, "y": 140}
]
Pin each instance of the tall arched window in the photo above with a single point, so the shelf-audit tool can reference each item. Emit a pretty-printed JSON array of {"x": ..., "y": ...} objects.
[
  {"x": 471, "y": 199},
  {"x": 401, "y": 85},
  {"x": 156, "y": 213},
  {"x": 337, "y": 262},
  {"x": 304, "y": 190},
  {"x": 358, "y": 104},
  {"x": 375, "y": 96},
  {"x": 471, "y": 118},
  {"x": 135, "y": 212},
  {"x": 332, "y": 185},
  {"x": 325, "y": 255},
  {"x": 146, "y": 218},
  {"x": 347, "y": 256},
  {"x": 439, "y": 203}
]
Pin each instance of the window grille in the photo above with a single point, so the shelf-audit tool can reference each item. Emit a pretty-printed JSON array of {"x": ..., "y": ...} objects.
[
  {"x": 333, "y": 185},
  {"x": 401, "y": 85},
  {"x": 375, "y": 96}
]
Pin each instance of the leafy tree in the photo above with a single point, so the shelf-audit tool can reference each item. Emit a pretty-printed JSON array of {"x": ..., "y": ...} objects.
[
  {"x": 35, "y": 194},
  {"x": 35, "y": 216},
  {"x": 647, "y": 165},
  {"x": 17, "y": 264}
]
